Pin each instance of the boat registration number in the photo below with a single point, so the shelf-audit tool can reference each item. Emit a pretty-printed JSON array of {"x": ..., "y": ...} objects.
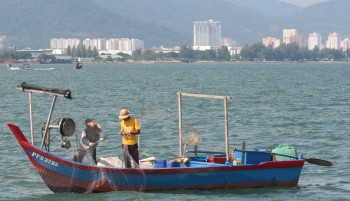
[{"x": 46, "y": 160}]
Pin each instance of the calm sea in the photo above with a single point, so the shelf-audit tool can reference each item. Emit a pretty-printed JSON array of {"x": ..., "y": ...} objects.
[{"x": 303, "y": 105}]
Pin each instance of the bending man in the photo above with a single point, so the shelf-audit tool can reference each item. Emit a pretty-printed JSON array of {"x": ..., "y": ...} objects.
[{"x": 89, "y": 141}]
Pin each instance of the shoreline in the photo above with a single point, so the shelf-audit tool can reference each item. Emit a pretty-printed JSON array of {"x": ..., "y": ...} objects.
[{"x": 195, "y": 62}]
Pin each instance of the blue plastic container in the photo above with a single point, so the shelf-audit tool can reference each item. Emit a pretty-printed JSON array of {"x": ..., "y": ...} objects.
[
  {"x": 159, "y": 164},
  {"x": 171, "y": 164},
  {"x": 254, "y": 157}
]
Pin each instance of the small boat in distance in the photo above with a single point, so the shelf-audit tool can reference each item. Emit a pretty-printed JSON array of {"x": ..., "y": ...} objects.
[
  {"x": 24, "y": 66},
  {"x": 78, "y": 65}
]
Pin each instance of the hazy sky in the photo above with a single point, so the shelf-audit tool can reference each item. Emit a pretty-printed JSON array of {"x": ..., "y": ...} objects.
[{"x": 303, "y": 3}]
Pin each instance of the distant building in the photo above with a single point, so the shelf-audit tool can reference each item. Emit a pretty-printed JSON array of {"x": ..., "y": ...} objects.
[
  {"x": 64, "y": 43},
  {"x": 137, "y": 44},
  {"x": 112, "y": 44},
  {"x": 314, "y": 40},
  {"x": 298, "y": 39},
  {"x": 98, "y": 43},
  {"x": 333, "y": 41},
  {"x": 287, "y": 34},
  {"x": 345, "y": 44},
  {"x": 162, "y": 49},
  {"x": 107, "y": 46},
  {"x": 35, "y": 53},
  {"x": 124, "y": 45},
  {"x": 2, "y": 39},
  {"x": 235, "y": 51},
  {"x": 206, "y": 35},
  {"x": 228, "y": 42},
  {"x": 270, "y": 41}
]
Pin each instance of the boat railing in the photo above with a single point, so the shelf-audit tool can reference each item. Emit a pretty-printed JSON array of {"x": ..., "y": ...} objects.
[
  {"x": 225, "y": 98},
  {"x": 204, "y": 152}
]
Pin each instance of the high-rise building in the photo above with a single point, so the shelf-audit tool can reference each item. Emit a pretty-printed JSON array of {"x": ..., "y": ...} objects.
[
  {"x": 99, "y": 43},
  {"x": 345, "y": 44},
  {"x": 2, "y": 39},
  {"x": 287, "y": 34},
  {"x": 314, "y": 40},
  {"x": 270, "y": 41},
  {"x": 297, "y": 39},
  {"x": 137, "y": 44},
  {"x": 125, "y": 45},
  {"x": 64, "y": 43},
  {"x": 206, "y": 35},
  {"x": 112, "y": 44},
  {"x": 333, "y": 41}
]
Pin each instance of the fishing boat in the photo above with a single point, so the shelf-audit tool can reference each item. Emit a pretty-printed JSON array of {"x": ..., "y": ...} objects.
[
  {"x": 24, "y": 66},
  {"x": 193, "y": 169},
  {"x": 78, "y": 65}
]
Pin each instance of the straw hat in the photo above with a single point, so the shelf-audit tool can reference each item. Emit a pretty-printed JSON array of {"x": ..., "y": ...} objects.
[
  {"x": 124, "y": 113},
  {"x": 92, "y": 126}
]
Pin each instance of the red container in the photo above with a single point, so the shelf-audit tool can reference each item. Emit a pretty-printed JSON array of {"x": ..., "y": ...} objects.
[{"x": 217, "y": 159}]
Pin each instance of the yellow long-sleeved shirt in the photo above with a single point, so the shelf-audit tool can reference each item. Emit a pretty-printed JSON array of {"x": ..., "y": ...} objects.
[{"x": 128, "y": 126}]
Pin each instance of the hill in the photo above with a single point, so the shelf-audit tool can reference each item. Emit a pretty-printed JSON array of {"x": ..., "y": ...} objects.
[
  {"x": 237, "y": 22},
  {"x": 33, "y": 23},
  {"x": 163, "y": 22},
  {"x": 324, "y": 18},
  {"x": 269, "y": 7}
]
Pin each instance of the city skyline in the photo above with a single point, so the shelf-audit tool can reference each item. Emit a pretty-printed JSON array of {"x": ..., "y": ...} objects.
[
  {"x": 206, "y": 35},
  {"x": 243, "y": 26}
]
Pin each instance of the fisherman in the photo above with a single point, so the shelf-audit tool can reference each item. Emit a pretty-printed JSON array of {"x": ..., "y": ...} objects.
[
  {"x": 89, "y": 141},
  {"x": 129, "y": 129}
]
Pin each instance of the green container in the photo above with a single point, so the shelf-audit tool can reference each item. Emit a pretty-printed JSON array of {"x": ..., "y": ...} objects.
[{"x": 284, "y": 150}]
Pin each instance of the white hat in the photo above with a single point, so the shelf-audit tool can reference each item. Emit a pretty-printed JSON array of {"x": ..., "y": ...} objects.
[
  {"x": 93, "y": 126},
  {"x": 124, "y": 113}
]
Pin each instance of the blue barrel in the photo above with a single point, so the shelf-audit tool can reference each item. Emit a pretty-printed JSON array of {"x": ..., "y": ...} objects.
[
  {"x": 171, "y": 164},
  {"x": 160, "y": 163}
]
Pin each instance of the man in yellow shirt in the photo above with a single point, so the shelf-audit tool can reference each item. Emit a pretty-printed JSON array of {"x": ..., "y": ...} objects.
[{"x": 129, "y": 128}]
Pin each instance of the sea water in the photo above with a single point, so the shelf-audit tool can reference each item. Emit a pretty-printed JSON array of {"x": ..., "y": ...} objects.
[{"x": 305, "y": 105}]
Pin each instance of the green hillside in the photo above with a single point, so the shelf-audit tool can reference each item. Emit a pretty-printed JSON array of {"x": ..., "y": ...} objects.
[{"x": 160, "y": 22}]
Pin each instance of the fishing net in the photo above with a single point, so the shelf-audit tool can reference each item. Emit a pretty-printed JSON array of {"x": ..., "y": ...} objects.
[
  {"x": 151, "y": 112},
  {"x": 190, "y": 136}
]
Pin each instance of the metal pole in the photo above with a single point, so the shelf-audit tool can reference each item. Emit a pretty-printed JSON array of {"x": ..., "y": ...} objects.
[
  {"x": 46, "y": 137},
  {"x": 226, "y": 128},
  {"x": 31, "y": 117},
  {"x": 180, "y": 122}
]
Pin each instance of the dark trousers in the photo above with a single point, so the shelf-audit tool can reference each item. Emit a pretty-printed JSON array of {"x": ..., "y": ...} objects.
[{"x": 131, "y": 151}]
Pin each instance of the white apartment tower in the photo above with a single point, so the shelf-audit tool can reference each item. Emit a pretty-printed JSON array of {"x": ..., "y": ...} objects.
[
  {"x": 99, "y": 43},
  {"x": 333, "y": 41},
  {"x": 345, "y": 44},
  {"x": 137, "y": 44},
  {"x": 2, "y": 39},
  {"x": 64, "y": 43},
  {"x": 314, "y": 40},
  {"x": 112, "y": 44},
  {"x": 287, "y": 34},
  {"x": 206, "y": 35}
]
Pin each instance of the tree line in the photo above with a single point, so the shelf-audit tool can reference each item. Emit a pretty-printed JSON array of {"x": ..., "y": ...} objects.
[
  {"x": 255, "y": 52},
  {"x": 291, "y": 52},
  {"x": 82, "y": 51}
]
